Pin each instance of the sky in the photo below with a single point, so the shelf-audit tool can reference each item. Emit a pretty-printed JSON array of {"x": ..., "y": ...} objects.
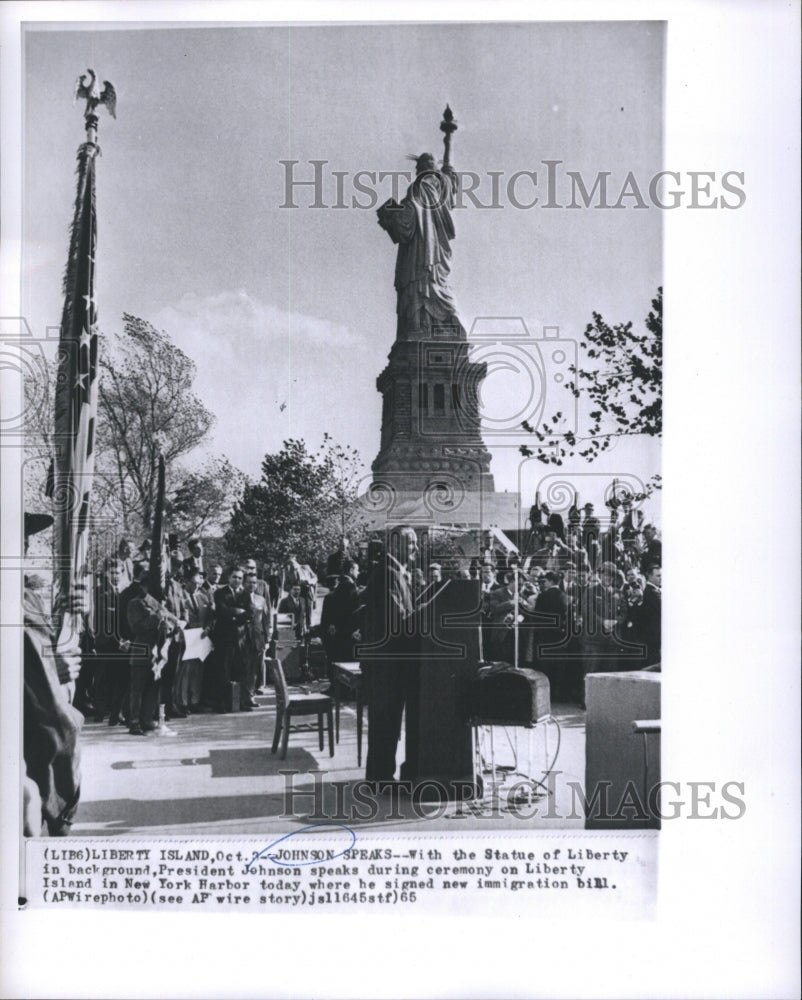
[{"x": 289, "y": 313}]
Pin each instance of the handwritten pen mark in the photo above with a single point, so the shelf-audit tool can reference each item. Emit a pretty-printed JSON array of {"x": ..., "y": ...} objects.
[{"x": 294, "y": 833}]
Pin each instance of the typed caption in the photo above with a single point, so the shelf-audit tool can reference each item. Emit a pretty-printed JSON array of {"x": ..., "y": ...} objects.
[{"x": 326, "y": 873}]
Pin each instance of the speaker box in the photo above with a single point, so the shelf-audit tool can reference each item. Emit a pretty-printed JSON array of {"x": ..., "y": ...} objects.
[{"x": 510, "y": 697}]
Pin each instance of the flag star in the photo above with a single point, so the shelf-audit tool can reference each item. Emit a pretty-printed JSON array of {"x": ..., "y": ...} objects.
[
  {"x": 90, "y": 302},
  {"x": 80, "y": 381}
]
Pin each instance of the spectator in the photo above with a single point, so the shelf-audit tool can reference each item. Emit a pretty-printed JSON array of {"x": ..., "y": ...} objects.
[
  {"x": 293, "y": 604},
  {"x": 194, "y": 560},
  {"x": 652, "y": 552},
  {"x": 260, "y": 587},
  {"x": 124, "y": 551},
  {"x": 304, "y": 577},
  {"x": 646, "y": 616},
  {"x": 588, "y": 621},
  {"x": 498, "y": 608},
  {"x": 257, "y": 635},
  {"x": 231, "y": 619},
  {"x": 547, "y": 616},
  {"x": 111, "y": 647},
  {"x": 335, "y": 564},
  {"x": 555, "y": 555},
  {"x": 151, "y": 626},
  {"x": 199, "y": 609},
  {"x": 487, "y": 576},
  {"x": 338, "y": 617},
  {"x": 174, "y": 598},
  {"x": 213, "y": 580}
]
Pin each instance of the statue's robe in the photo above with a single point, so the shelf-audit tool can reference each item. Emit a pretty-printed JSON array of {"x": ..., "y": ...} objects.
[{"x": 423, "y": 228}]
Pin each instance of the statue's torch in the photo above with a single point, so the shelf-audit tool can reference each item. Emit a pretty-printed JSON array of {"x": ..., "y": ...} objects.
[{"x": 447, "y": 126}]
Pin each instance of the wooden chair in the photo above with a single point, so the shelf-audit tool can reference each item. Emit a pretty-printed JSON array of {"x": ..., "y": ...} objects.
[{"x": 296, "y": 704}]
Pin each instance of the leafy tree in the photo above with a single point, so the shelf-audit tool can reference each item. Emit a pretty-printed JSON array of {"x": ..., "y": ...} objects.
[
  {"x": 145, "y": 406},
  {"x": 621, "y": 389},
  {"x": 300, "y": 506},
  {"x": 202, "y": 501}
]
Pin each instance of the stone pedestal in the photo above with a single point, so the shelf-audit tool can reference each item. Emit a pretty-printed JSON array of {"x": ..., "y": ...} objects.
[{"x": 430, "y": 436}]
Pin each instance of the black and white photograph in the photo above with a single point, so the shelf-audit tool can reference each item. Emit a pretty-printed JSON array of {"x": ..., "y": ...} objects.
[{"x": 335, "y": 486}]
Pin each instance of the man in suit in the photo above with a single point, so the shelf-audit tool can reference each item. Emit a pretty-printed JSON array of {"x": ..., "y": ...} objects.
[
  {"x": 257, "y": 635},
  {"x": 555, "y": 555},
  {"x": 588, "y": 620},
  {"x": 386, "y": 653},
  {"x": 174, "y": 598},
  {"x": 652, "y": 548},
  {"x": 498, "y": 605},
  {"x": 305, "y": 578},
  {"x": 111, "y": 648},
  {"x": 231, "y": 618},
  {"x": 647, "y": 616},
  {"x": 194, "y": 560},
  {"x": 591, "y": 533},
  {"x": 550, "y": 632},
  {"x": 213, "y": 579},
  {"x": 198, "y": 609},
  {"x": 293, "y": 604},
  {"x": 151, "y": 625},
  {"x": 124, "y": 550},
  {"x": 336, "y": 563},
  {"x": 338, "y": 616}
]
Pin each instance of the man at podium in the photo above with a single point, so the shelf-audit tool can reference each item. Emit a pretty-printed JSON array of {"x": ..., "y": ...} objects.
[{"x": 387, "y": 653}]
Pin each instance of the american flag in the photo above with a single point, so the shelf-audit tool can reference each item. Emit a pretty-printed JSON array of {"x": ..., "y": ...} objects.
[{"x": 76, "y": 411}]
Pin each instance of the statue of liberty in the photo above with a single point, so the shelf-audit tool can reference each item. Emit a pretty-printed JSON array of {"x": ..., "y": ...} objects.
[{"x": 423, "y": 228}]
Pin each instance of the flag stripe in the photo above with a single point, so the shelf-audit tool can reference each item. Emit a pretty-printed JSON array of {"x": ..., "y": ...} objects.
[{"x": 76, "y": 401}]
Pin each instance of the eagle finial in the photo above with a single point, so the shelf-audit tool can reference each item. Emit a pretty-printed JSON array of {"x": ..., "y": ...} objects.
[{"x": 86, "y": 87}]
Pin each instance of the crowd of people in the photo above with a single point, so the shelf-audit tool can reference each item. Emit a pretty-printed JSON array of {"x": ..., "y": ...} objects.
[
  {"x": 583, "y": 599},
  {"x": 586, "y": 599},
  {"x": 579, "y": 598},
  {"x": 199, "y": 646}
]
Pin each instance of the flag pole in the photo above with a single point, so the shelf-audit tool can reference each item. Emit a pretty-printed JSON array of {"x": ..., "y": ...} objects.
[{"x": 75, "y": 403}]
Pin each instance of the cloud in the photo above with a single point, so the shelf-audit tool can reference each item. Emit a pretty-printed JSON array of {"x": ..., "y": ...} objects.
[{"x": 253, "y": 359}]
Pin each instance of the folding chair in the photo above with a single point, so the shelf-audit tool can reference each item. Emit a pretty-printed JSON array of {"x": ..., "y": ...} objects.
[{"x": 296, "y": 704}]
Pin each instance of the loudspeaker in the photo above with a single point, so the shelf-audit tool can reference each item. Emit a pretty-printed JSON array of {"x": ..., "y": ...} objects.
[{"x": 508, "y": 696}]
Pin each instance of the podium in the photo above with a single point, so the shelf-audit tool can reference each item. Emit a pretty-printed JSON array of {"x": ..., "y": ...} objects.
[{"x": 438, "y": 732}]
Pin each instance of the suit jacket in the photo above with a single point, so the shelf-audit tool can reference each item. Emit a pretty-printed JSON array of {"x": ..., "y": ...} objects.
[
  {"x": 148, "y": 621},
  {"x": 298, "y": 610},
  {"x": 387, "y": 603},
  {"x": 652, "y": 554},
  {"x": 199, "y": 609},
  {"x": 334, "y": 563},
  {"x": 340, "y": 611},
  {"x": 231, "y": 616},
  {"x": 649, "y": 623},
  {"x": 106, "y": 622},
  {"x": 257, "y": 631}
]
